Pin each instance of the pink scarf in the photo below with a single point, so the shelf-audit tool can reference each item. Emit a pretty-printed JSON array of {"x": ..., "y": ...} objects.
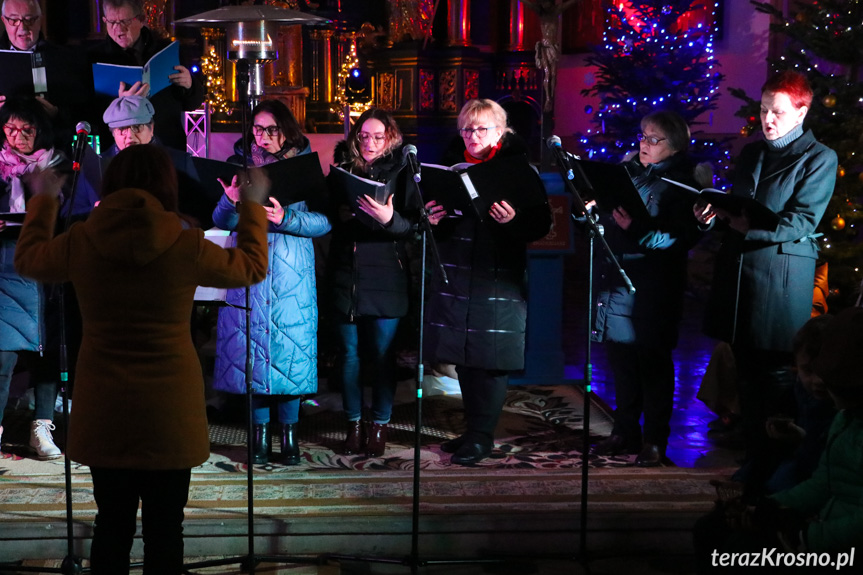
[{"x": 13, "y": 165}]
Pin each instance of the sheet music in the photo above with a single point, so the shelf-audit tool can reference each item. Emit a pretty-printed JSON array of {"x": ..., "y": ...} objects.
[{"x": 224, "y": 239}]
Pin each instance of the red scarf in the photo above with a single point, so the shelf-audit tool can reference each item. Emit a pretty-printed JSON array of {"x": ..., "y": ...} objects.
[{"x": 471, "y": 160}]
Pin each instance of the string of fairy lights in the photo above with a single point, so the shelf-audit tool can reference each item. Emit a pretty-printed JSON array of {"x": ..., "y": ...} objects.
[{"x": 654, "y": 54}]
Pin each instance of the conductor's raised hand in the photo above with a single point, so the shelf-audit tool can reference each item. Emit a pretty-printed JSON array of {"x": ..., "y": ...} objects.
[
  {"x": 232, "y": 190},
  {"x": 501, "y": 212},
  {"x": 45, "y": 182},
  {"x": 256, "y": 187},
  {"x": 382, "y": 213},
  {"x": 435, "y": 212}
]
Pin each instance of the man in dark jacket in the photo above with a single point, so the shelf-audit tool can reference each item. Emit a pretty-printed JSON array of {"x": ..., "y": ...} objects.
[
  {"x": 762, "y": 290},
  {"x": 131, "y": 43},
  {"x": 64, "y": 92}
]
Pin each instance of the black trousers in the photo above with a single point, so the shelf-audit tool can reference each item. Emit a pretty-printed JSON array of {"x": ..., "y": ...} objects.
[
  {"x": 483, "y": 393},
  {"x": 163, "y": 495},
  {"x": 643, "y": 384}
]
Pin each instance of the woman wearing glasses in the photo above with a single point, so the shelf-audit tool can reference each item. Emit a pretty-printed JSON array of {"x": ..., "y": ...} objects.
[
  {"x": 368, "y": 272},
  {"x": 131, "y": 43},
  {"x": 284, "y": 306},
  {"x": 25, "y": 307},
  {"x": 640, "y": 329},
  {"x": 477, "y": 320}
]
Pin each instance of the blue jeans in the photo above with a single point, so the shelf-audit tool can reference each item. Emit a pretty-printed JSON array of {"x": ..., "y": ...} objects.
[
  {"x": 288, "y": 408},
  {"x": 8, "y": 359},
  {"x": 378, "y": 334},
  {"x": 43, "y": 378}
]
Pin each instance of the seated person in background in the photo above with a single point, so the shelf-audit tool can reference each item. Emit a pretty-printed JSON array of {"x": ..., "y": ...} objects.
[
  {"x": 833, "y": 496},
  {"x": 825, "y": 512},
  {"x": 807, "y": 434},
  {"x": 131, "y": 121}
]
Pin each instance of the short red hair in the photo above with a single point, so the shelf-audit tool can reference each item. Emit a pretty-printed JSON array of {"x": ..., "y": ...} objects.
[{"x": 793, "y": 84}]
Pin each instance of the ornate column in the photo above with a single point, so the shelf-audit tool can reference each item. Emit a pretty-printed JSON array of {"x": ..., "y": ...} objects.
[
  {"x": 96, "y": 29},
  {"x": 516, "y": 26},
  {"x": 458, "y": 17},
  {"x": 328, "y": 89}
]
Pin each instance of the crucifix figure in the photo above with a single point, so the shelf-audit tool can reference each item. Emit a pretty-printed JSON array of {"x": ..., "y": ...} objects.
[{"x": 548, "y": 47}]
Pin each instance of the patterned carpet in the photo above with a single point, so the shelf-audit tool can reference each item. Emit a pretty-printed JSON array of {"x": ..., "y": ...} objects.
[{"x": 535, "y": 467}]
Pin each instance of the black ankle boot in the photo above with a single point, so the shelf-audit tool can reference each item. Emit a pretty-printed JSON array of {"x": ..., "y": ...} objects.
[
  {"x": 290, "y": 445},
  {"x": 355, "y": 440},
  {"x": 262, "y": 443}
]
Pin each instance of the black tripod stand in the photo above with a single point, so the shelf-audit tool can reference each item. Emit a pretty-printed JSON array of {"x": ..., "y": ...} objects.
[
  {"x": 413, "y": 560},
  {"x": 71, "y": 564},
  {"x": 576, "y": 184}
]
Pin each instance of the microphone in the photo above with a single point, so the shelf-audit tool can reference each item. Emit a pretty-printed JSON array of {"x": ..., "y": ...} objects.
[
  {"x": 82, "y": 130},
  {"x": 409, "y": 153},
  {"x": 554, "y": 144}
]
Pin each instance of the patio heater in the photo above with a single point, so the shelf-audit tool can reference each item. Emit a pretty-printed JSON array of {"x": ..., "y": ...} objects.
[{"x": 251, "y": 33}]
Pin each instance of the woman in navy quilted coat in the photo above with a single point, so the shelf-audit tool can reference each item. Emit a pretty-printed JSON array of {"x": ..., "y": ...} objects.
[{"x": 284, "y": 314}]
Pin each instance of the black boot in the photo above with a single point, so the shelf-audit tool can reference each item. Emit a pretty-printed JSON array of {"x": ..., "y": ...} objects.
[
  {"x": 355, "y": 440},
  {"x": 262, "y": 445},
  {"x": 290, "y": 445}
]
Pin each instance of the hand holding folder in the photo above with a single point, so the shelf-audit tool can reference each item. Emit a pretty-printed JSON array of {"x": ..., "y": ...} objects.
[
  {"x": 293, "y": 179},
  {"x": 348, "y": 189},
  {"x": 472, "y": 189},
  {"x": 760, "y": 216},
  {"x": 611, "y": 186}
]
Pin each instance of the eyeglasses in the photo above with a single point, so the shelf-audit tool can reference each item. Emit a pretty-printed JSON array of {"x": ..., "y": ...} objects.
[
  {"x": 652, "y": 140},
  {"x": 481, "y": 131},
  {"x": 270, "y": 130},
  {"x": 365, "y": 137},
  {"x": 12, "y": 131},
  {"x": 26, "y": 20},
  {"x": 134, "y": 128},
  {"x": 125, "y": 23}
]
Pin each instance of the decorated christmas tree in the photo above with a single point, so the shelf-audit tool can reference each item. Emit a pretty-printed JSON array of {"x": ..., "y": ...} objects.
[
  {"x": 655, "y": 54},
  {"x": 824, "y": 40}
]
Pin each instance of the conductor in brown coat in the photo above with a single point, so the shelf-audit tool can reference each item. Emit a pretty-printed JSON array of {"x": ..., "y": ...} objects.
[{"x": 139, "y": 420}]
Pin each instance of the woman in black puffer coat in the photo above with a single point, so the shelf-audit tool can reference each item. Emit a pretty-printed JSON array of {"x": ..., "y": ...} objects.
[
  {"x": 477, "y": 320},
  {"x": 368, "y": 274}
]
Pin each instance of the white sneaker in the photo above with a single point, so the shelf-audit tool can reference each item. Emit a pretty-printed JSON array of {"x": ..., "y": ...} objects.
[{"x": 41, "y": 440}]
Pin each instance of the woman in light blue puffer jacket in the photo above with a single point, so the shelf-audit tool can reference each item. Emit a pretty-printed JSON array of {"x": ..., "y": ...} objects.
[{"x": 284, "y": 312}]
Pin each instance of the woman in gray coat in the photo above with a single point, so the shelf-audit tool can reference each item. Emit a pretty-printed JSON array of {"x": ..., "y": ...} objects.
[{"x": 762, "y": 290}]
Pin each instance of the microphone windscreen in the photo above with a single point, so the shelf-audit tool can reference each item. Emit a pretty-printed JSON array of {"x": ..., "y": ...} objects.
[
  {"x": 553, "y": 142},
  {"x": 409, "y": 149},
  {"x": 82, "y": 127}
]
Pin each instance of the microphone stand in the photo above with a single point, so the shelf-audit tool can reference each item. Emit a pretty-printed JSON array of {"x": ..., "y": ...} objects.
[
  {"x": 413, "y": 561},
  {"x": 594, "y": 231},
  {"x": 71, "y": 564}
]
